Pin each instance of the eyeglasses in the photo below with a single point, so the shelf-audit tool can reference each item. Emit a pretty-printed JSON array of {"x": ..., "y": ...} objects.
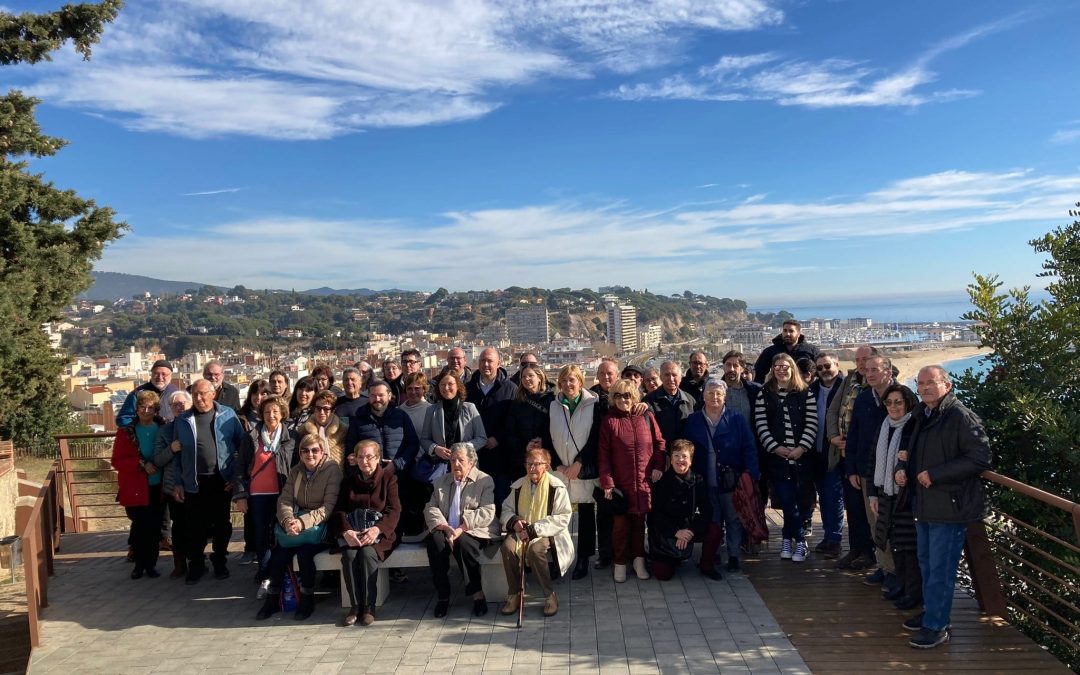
[
  {"x": 409, "y": 361},
  {"x": 310, "y": 451},
  {"x": 324, "y": 408},
  {"x": 369, "y": 458},
  {"x": 699, "y": 363},
  {"x": 931, "y": 383},
  {"x": 894, "y": 402},
  {"x": 781, "y": 367},
  {"x": 827, "y": 366},
  {"x": 534, "y": 465},
  {"x": 148, "y": 408},
  {"x": 624, "y": 397}
]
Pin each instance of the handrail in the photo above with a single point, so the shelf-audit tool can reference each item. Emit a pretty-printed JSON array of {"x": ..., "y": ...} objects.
[
  {"x": 1041, "y": 495},
  {"x": 40, "y": 541}
]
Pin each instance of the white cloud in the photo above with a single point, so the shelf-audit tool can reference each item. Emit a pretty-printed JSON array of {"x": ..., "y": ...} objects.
[
  {"x": 203, "y": 193},
  {"x": 1069, "y": 134},
  {"x": 592, "y": 245},
  {"x": 829, "y": 83},
  {"x": 290, "y": 70}
]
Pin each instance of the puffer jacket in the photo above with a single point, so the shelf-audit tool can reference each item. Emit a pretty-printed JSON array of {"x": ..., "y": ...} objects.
[
  {"x": 528, "y": 418},
  {"x": 316, "y": 497},
  {"x": 630, "y": 448},
  {"x": 952, "y": 446}
]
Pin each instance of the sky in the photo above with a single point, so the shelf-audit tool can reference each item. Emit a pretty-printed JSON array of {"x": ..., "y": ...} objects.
[{"x": 776, "y": 151}]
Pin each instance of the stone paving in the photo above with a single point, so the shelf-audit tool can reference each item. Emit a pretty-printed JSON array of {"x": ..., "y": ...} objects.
[{"x": 100, "y": 621}]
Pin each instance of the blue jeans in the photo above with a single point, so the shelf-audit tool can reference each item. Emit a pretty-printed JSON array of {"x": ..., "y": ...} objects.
[
  {"x": 830, "y": 489},
  {"x": 940, "y": 546},
  {"x": 787, "y": 492},
  {"x": 724, "y": 514}
]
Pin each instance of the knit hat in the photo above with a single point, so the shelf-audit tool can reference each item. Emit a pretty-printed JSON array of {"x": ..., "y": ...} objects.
[{"x": 162, "y": 363}]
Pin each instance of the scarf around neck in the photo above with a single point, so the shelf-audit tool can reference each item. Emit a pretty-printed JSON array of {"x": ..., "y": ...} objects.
[
  {"x": 887, "y": 449},
  {"x": 271, "y": 442},
  {"x": 533, "y": 507}
]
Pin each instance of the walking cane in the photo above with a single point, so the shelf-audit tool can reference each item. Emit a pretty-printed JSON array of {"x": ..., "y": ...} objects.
[{"x": 521, "y": 596}]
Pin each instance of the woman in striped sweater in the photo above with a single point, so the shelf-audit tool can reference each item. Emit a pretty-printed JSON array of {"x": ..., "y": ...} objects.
[{"x": 785, "y": 418}]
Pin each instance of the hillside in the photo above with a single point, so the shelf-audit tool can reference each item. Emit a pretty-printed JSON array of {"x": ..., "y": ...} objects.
[{"x": 111, "y": 286}]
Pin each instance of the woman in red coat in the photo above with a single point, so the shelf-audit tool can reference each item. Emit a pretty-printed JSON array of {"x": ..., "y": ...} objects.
[
  {"x": 139, "y": 482},
  {"x": 631, "y": 457},
  {"x": 366, "y": 520}
]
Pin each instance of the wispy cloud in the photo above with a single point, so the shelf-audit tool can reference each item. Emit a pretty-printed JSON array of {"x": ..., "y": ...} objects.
[
  {"x": 1069, "y": 134},
  {"x": 829, "y": 83},
  {"x": 671, "y": 247},
  {"x": 211, "y": 192},
  {"x": 318, "y": 69}
]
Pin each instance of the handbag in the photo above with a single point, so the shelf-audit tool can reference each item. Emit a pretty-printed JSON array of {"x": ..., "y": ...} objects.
[
  {"x": 727, "y": 478},
  {"x": 429, "y": 469},
  {"x": 310, "y": 535},
  {"x": 363, "y": 519},
  {"x": 616, "y": 506}
]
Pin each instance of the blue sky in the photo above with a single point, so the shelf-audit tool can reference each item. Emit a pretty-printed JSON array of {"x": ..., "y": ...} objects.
[{"x": 768, "y": 150}]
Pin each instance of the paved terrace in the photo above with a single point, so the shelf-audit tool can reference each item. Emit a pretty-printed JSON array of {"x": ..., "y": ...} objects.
[{"x": 811, "y": 619}]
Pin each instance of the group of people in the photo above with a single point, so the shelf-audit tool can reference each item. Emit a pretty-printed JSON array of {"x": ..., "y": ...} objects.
[{"x": 479, "y": 461}]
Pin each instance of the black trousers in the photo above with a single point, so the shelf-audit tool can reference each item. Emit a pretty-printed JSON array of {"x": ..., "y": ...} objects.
[
  {"x": 586, "y": 537},
  {"x": 146, "y": 529},
  {"x": 281, "y": 556},
  {"x": 908, "y": 573},
  {"x": 208, "y": 517},
  {"x": 360, "y": 566},
  {"x": 180, "y": 534},
  {"x": 860, "y": 539},
  {"x": 466, "y": 552}
]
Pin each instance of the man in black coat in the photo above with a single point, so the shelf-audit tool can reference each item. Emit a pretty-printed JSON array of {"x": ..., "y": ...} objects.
[
  {"x": 224, "y": 393},
  {"x": 790, "y": 340},
  {"x": 491, "y": 391},
  {"x": 693, "y": 382},
  {"x": 948, "y": 452},
  {"x": 670, "y": 404},
  {"x": 828, "y": 467}
]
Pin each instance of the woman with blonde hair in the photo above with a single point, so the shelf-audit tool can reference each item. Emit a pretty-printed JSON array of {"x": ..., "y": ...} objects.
[
  {"x": 574, "y": 437},
  {"x": 785, "y": 419},
  {"x": 325, "y": 424}
]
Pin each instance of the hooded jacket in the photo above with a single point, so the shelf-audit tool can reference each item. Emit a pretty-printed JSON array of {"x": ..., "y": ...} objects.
[{"x": 800, "y": 350}]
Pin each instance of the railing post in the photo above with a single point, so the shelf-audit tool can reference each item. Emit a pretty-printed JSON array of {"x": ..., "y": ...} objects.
[
  {"x": 30, "y": 571},
  {"x": 65, "y": 460},
  {"x": 984, "y": 573}
]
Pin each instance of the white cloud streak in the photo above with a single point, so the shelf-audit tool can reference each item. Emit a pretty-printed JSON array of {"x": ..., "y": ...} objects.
[
  {"x": 204, "y": 193},
  {"x": 597, "y": 245},
  {"x": 288, "y": 70},
  {"x": 1070, "y": 134},
  {"x": 829, "y": 83}
]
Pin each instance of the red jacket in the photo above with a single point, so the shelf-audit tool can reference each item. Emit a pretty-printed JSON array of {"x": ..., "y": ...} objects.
[
  {"x": 132, "y": 482},
  {"x": 631, "y": 447}
]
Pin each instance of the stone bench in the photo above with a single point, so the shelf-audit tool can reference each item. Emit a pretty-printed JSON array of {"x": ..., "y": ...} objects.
[{"x": 412, "y": 553}]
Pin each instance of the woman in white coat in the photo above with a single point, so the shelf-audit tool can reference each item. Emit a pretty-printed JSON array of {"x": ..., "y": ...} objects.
[
  {"x": 574, "y": 438},
  {"x": 536, "y": 518}
]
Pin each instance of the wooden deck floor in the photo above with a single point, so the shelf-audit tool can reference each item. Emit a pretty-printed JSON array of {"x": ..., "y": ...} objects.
[{"x": 838, "y": 624}]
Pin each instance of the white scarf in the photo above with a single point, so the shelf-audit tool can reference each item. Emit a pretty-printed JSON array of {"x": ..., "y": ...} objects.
[
  {"x": 887, "y": 449},
  {"x": 271, "y": 443}
]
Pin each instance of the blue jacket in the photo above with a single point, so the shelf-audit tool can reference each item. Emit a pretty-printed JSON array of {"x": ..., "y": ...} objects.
[
  {"x": 126, "y": 416},
  {"x": 732, "y": 441},
  {"x": 866, "y": 417},
  {"x": 394, "y": 432},
  {"x": 228, "y": 432}
]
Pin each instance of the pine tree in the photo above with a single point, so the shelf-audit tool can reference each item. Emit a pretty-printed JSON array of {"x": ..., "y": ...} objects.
[{"x": 49, "y": 237}]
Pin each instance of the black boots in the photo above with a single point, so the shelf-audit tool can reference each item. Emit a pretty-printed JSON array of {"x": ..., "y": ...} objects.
[{"x": 581, "y": 568}]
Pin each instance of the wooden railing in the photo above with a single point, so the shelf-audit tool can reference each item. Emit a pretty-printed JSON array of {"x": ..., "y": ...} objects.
[
  {"x": 1030, "y": 573},
  {"x": 40, "y": 542},
  {"x": 90, "y": 481}
]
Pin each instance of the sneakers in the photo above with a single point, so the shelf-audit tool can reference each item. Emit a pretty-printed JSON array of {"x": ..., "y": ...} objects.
[
  {"x": 877, "y": 577},
  {"x": 785, "y": 550},
  {"x": 269, "y": 608},
  {"x": 620, "y": 574},
  {"x": 733, "y": 564},
  {"x": 928, "y": 639},
  {"x": 264, "y": 588},
  {"x": 640, "y": 570},
  {"x": 807, "y": 529},
  {"x": 248, "y": 558},
  {"x": 800, "y": 552},
  {"x": 915, "y": 622}
]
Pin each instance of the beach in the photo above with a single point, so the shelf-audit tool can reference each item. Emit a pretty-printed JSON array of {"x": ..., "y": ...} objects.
[{"x": 910, "y": 362}]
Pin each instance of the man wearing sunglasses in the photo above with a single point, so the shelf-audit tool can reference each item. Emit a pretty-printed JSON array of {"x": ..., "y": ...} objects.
[{"x": 826, "y": 461}]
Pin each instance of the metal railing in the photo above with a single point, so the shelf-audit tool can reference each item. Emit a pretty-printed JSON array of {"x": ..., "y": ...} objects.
[
  {"x": 40, "y": 542},
  {"x": 1026, "y": 572}
]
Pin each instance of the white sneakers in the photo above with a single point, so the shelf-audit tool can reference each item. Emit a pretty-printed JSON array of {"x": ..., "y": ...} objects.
[
  {"x": 785, "y": 550},
  {"x": 640, "y": 570},
  {"x": 800, "y": 552},
  {"x": 620, "y": 573}
]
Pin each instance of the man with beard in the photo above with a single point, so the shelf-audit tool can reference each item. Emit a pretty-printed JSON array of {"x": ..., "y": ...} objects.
[
  {"x": 790, "y": 340},
  {"x": 827, "y": 465},
  {"x": 387, "y": 425},
  {"x": 693, "y": 382},
  {"x": 160, "y": 383}
]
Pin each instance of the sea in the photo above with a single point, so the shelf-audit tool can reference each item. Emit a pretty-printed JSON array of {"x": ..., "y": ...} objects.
[
  {"x": 958, "y": 366},
  {"x": 891, "y": 310}
]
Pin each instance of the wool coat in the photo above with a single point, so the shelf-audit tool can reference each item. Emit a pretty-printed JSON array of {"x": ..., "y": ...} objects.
[
  {"x": 631, "y": 448},
  {"x": 379, "y": 493}
]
